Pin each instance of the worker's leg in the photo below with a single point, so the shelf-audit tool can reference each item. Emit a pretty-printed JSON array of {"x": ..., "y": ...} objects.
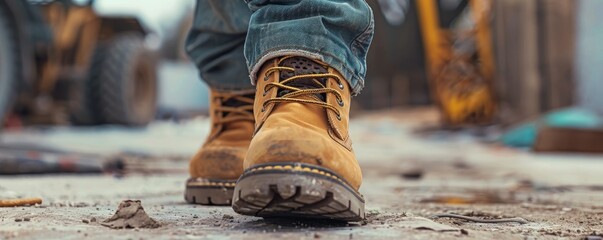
[
  {"x": 337, "y": 32},
  {"x": 307, "y": 57},
  {"x": 215, "y": 43}
]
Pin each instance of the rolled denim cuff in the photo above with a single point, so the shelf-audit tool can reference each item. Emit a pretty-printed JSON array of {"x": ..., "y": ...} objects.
[{"x": 336, "y": 32}]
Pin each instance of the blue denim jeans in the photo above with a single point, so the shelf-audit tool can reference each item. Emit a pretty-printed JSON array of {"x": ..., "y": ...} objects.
[{"x": 229, "y": 40}]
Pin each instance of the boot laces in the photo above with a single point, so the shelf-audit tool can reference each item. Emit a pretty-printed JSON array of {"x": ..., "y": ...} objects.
[
  {"x": 241, "y": 111},
  {"x": 294, "y": 93}
]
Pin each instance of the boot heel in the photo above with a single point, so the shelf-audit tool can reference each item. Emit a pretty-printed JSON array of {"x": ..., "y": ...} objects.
[{"x": 209, "y": 192}]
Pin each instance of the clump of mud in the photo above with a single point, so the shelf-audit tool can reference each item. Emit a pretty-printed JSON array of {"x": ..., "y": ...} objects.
[{"x": 130, "y": 214}]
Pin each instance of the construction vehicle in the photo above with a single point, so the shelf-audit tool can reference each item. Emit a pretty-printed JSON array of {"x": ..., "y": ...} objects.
[
  {"x": 61, "y": 62},
  {"x": 460, "y": 63}
]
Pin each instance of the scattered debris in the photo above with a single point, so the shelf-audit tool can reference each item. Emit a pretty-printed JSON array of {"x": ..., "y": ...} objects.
[
  {"x": 33, "y": 159},
  {"x": 420, "y": 223},
  {"x": 460, "y": 163},
  {"x": 126, "y": 163},
  {"x": 473, "y": 198},
  {"x": 412, "y": 174},
  {"x": 404, "y": 220},
  {"x": 20, "y": 202},
  {"x": 85, "y": 221},
  {"x": 593, "y": 238},
  {"x": 478, "y": 220},
  {"x": 464, "y": 232},
  {"x": 130, "y": 214}
]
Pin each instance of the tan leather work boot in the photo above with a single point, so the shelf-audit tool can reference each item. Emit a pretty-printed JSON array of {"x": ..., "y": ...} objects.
[
  {"x": 217, "y": 165},
  {"x": 300, "y": 162}
]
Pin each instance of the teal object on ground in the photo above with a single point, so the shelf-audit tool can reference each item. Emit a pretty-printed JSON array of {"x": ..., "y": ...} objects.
[{"x": 525, "y": 134}]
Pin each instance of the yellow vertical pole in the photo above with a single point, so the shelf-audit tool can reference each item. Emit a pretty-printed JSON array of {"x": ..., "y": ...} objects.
[{"x": 430, "y": 29}]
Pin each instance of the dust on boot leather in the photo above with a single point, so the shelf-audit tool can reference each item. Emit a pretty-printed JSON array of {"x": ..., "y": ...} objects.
[
  {"x": 219, "y": 162},
  {"x": 301, "y": 137}
]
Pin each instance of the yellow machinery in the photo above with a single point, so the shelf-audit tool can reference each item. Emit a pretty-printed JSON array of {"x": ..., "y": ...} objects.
[
  {"x": 461, "y": 79},
  {"x": 68, "y": 64}
]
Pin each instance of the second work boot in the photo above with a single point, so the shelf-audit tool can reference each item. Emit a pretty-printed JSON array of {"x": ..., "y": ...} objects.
[
  {"x": 300, "y": 161},
  {"x": 217, "y": 165}
]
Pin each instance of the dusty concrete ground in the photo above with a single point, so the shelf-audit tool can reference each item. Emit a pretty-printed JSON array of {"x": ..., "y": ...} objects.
[{"x": 410, "y": 175}]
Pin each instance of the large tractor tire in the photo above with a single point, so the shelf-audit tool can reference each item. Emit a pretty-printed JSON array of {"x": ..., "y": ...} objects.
[
  {"x": 9, "y": 65},
  {"x": 124, "y": 82},
  {"x": 82, "y": 97}
]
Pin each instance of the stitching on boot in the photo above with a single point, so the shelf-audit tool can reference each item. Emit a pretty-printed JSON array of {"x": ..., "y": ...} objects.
[{"x": 200, "y": 182}]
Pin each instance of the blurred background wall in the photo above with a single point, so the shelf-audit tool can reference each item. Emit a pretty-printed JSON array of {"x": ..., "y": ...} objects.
[
  {"x": 547, "y": 55},
  {"x": 589, "y": 57}
]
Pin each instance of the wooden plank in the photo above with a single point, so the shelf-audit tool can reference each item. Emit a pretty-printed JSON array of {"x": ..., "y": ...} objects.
[{"x": 569, "y": 140}]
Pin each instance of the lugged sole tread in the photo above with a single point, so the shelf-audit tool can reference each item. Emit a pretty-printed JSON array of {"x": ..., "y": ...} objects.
[
  {"x": 209, "y": 192},
  {"x": 277, "y": 193}
]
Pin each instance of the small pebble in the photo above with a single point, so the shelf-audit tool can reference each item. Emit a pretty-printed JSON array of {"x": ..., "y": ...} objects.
[{"x": 85, "y": 221}]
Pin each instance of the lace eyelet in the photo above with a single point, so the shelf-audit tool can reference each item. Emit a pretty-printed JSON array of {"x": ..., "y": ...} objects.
[
  {"x": 340, "y": 102},
  {"x": 263, "y": 109},
  {"x": 338, "y": 117},
  {"x": 264, "y": 94},
  {"x": 266, "y": 78},
  {"x": 340, "y": 85}
]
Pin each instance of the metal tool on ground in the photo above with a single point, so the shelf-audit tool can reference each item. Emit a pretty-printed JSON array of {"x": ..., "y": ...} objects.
[
  {"x": 37, "y": 160},
  {"x": 478, "y": 220}
]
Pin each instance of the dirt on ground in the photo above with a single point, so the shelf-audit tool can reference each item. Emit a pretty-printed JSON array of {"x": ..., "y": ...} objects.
[
  {"x": 130, "y": 214},
  {"x": 417, "y": 183}
]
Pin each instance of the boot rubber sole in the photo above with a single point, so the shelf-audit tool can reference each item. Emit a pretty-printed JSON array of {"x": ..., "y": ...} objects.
[
  {"x": 296, "y": 190},
  {"x": 209, "y": 191}
]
